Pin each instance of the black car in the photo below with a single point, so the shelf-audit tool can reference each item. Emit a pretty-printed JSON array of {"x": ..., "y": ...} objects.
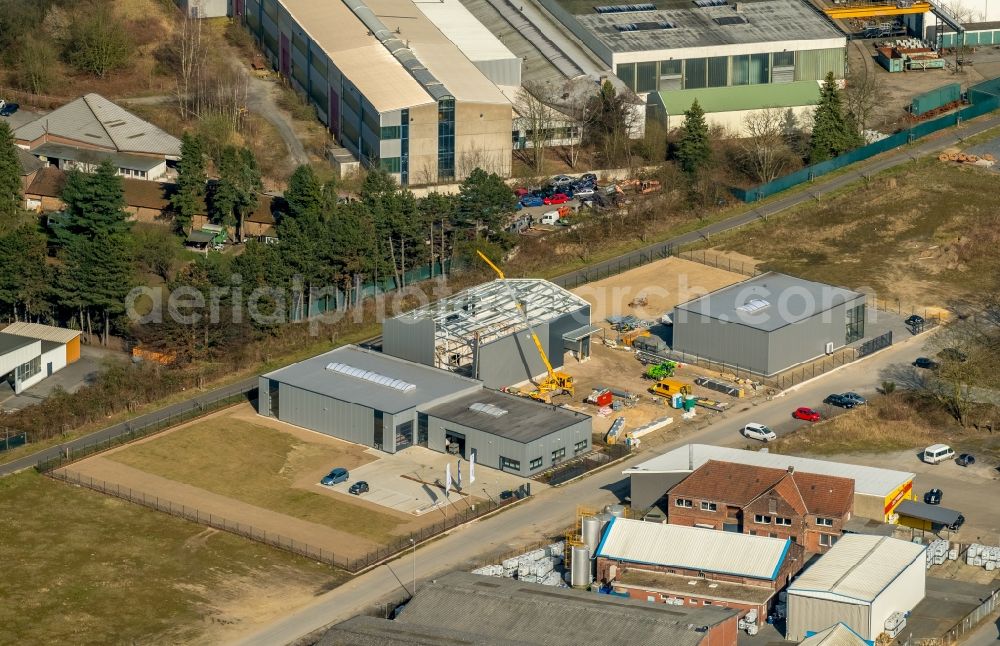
[
  {"x": 933, "y": 497},
  {"x": 358, "y": 488},
  {"x": 506, "y": 494},
  {"x": 914, "y": 320},
  {"x": 840, "y": 400},
  {"x": 953, "y": 354},
  {"x": 966, "y": 459},
  {"x": 924, "y": 362},
  {"x": 8, "y": 109},
  {"x": 958, "y": 523}
]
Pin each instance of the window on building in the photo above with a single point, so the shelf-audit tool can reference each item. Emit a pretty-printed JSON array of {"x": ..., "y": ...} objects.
[
  {"x": 29, "y": 369},
  {"x": 580, "y": 446},
  {"x": 760, "y": 68},
  {"x": 824, "y": 522},
  {"x": 377, "y": 427},
  {"x": 827, "y": 540},
  {"x": 626, "y": 72},
  {"x": 706, "y": 602},
  {"x": 780, "y": 520},
  {"x": 559, "y": 454},
  {"x": 390, "y": 132},
  {"x": 761, "y": 519},
  {"x": 782, "y": 67},
  {"x": 446, "y": 139},
  {"x": 695, "y": 73},
  {"x": 741, "y": 69},
  {"x": 683, "y": 502},
  {"x": 708, "y": 506},
  {"x": 671, "y": 73},
  {"x": 507, "y": 463},
  {"x": 772, "y": 535},
  {"x": 855, "y": 323},
  {"x": 718, "y": 71},
  {"x": 389, "y": 164},
  {"x": 534, "y": 464},
  {"x": 645, "y": 77}
]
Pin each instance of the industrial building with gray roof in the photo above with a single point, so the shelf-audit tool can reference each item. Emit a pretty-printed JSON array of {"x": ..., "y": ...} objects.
[
  {"x": 768, "y": 324},
  {"x": 474, "y": 609},
  {"x": 389, "y": 403}
]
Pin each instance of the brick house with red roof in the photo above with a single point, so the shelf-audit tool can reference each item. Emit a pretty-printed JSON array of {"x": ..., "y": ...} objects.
[{"x": 808, "y": 508}]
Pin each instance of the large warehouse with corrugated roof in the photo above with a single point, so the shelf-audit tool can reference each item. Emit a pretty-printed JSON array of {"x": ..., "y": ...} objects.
[
  {"x": 877, "y": 492},
  {"x": 860, "y": 582}
]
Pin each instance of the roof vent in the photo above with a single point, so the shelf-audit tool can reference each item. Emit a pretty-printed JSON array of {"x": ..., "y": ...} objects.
[
  {"x": 373, "y": 377},
  {"x": 754, "y": 305},
  {"x": 487, "y": 409}
]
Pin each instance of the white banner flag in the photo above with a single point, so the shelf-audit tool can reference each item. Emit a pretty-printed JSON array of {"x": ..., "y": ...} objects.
[
  {"x": 447, "y": 479},
  {"x": 472, "y": 468},
  {"x": 459, "y": 479}
]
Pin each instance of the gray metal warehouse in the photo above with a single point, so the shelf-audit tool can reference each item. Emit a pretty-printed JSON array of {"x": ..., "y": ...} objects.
[
  {"x": 480, "y": 333},
  {"x": 768, "y": 323},
  {"x": 861, "y": 582},
  {"x": 389, "y": 403}
]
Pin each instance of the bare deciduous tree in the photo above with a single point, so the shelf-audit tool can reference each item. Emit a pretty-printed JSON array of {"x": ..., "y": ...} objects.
[
  {"x": 763, "y": 147},
  {"x": 537, "y": 120},
  {"x": 864, "y": 97},
  {"x": 191, "y": 53}
]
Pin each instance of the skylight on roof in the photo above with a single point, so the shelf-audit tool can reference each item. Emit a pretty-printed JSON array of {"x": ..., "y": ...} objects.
[
  {"x": 754, "y": 305},
  {"x": 373, "y": 377},
  {"x": 709, "y": 3},
  {"x": 645, "y": 26},
  {"x": 625, "y": 8},
  {"x": 487, "y": 409},
  {"x": 731, "y": 20}
]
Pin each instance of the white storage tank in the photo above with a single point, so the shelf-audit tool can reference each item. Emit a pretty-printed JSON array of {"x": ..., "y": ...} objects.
[{"x": 580, "y": 567}]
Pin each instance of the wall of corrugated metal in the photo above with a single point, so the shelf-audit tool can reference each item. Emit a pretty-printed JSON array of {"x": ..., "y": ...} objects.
[
  {"x": 409, "y": 339},
  {"x": 903, "y": 594},
  {"x": 806, "y": 340},
  {"x": 815, "y": 64},
  {"x": 809, "y": 614},
  {"x": 730, "y": 343},
  {"x": 327, "y": 415},
  {"x": 502, "y": 71}
]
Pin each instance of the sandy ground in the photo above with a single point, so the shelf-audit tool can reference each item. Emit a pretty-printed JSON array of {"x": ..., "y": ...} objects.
[{"x": 663, "y": 283}]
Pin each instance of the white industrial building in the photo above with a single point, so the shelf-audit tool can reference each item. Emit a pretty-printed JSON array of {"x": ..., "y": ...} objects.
[
  {"x": 861, "y": 582},
  {"x": 30, "y": 352},
  {"x": 877, "y": 492}
]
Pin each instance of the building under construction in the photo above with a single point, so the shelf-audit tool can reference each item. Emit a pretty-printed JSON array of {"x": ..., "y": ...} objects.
[{"x": 481, "y": 333}]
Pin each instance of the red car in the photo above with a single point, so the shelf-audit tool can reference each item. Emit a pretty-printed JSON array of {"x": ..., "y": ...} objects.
[
  {"x": 520, "y": 192},
  {"x": 806, "y": 413},
  {"x": 556, "y": 198}
]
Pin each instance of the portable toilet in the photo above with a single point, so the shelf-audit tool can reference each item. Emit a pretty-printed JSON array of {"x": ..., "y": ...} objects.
[{"x": 677, "y": 400}]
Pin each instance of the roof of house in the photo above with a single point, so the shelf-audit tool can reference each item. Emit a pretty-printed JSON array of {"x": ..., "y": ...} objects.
[
  {"x": 12, "y": 342},
  {"x": 693, "y": 548},
  {"x": 536, "y": 614},
  {"x": 41, "y": 332},
  {"x": 837, "y": 635},
  {"x": 742, "y": 97},
  {"x": 53, "y": 150},
  {"x": 508, "y": 416},
  {"x": 29, "y": 163},
  {"x": 857, "y": 569},
  {"x": 48, "y": 182},
  {"x": 96, "y": 121},
  {"x": 871, "y": 481},
  {"x": 776, "y": 22},
  {"x": 767, "y": 302},
  {"x": 391, "y": 385},
  {"x": 738, "y": 484}
]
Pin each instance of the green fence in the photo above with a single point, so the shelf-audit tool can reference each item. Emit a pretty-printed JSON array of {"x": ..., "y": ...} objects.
[{"x": 985, "y": 98}]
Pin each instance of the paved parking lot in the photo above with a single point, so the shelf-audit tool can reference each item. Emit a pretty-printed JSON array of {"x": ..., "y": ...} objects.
[
  {"x": 412, "y": 480},
  {"x": 946, "y": 602},
  {"x": 71, "y": 378},
  {"x": 21, "y": 117}
]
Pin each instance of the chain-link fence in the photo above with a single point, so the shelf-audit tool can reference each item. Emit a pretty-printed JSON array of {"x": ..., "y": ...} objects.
[
  {"x": 615, "y": 266},
  {"x": 721, "y": 261},
  {"x": 577, "y": 467},
  {"x": 971, "y": 621},
  {"x": 349, "y": 563}
]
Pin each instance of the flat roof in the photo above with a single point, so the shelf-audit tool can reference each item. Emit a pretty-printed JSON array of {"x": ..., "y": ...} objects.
[
  {"x": 550, "y": 616},
  {"x": 742, "y": 97},
  {"x": 870, "y": 481},
  {"x": 358, "y": 54},
  {"x": 462, "y": 28},
  {"x": 694, "y": 586},
  {"x": 693, "y": 548},
  {"x": 41, "y": 332},
  {"x": 764, "y": 21},
  {"x": 10, "y": 342},
  {"x": 768, "y": 302},
  {"x": 857, "y": 569},
  {"x": 523, "y": 420},
  {"x": 429, "y": 384},
  {"x": 376, "y": 631},
  {"x": 923, "y": 511}
]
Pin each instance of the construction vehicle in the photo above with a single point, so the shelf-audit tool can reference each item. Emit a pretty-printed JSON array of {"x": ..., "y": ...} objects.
[
  {"x": 671, "y": 387},
  {"x": 661, "y": 370},
  {"x": 555, "y": 382}
]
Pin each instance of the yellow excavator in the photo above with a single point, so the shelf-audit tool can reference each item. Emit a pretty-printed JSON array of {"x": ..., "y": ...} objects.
[{"x": 555, "y": 381}]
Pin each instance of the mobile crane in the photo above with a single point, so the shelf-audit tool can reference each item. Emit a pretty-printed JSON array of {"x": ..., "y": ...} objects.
[{"x": 555, "y": 382}]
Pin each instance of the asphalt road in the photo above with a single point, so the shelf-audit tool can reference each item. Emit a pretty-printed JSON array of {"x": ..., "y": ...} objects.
[
  {"x": 153, "y": 417},
  {"x": 553, "y": 509},
  {"x": 987, "y": 635}
]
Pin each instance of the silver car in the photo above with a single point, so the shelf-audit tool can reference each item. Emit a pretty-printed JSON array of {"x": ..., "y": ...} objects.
[{"x": 755, "y": 431}]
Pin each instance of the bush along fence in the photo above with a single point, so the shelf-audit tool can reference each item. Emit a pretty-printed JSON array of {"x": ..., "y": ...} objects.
[
  {"x": 130, "y": 431},
  {"x": 352, "y": 565},
  {"x": 984, "y": 97}
]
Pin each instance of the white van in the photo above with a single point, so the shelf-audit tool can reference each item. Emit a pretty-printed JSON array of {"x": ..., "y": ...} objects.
[
  {"x": 551, "y": 217},
  {"x": 937, "y": 453}
]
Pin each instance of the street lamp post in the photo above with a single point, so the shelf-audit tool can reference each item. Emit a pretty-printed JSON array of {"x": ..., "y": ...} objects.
[{"x": 414, "y": 544}]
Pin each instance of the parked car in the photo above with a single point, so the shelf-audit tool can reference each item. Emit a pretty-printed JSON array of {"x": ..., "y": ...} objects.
[
  {"x": 549, "y": 217},
  {"x": 755, "y": 431},
  {"x": 358, "y": 488},
  {"x": 856, "y": 398},
  {"x": 520, "y": 192},
  {"x": 806, "y": 414},
  {"x": 933, "y": 497},
  {"x": 336, "y": 476},
  {"x": 839, "y": 400},
  {"x": 938, "y": 453},
  {"x": 666, "y": 319},
  {"x": 8, "y": 109},
  {"x": 589, "y": 177},
  {"x": 560, "y": 181},
  {"x": 506, "y": 494},
  {"x": 953, "y": 354},
  {"x": 958, "y": 523},
  {"x": 532, "y": 200},
  {"x": 966, "y": 460},
  {"x": 914, "y": 320},
  {"x": 583, "y": 192},
  {"x": 556, "y": 198},
  {"x": 925, "y": 363}
]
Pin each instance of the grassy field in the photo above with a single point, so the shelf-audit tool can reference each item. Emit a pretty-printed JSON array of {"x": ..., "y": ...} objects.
[
  {"x": 924, "y": 233},
  {"x": 83, "y": 568},
  {"x": 260, "y": 466}
]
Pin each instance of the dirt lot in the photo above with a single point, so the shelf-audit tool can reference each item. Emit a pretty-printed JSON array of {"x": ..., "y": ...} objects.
[
  {"x": 663, "y": 283},
  {"x": 263, "y": 473},
  {"x": 923, "y": 234}
]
